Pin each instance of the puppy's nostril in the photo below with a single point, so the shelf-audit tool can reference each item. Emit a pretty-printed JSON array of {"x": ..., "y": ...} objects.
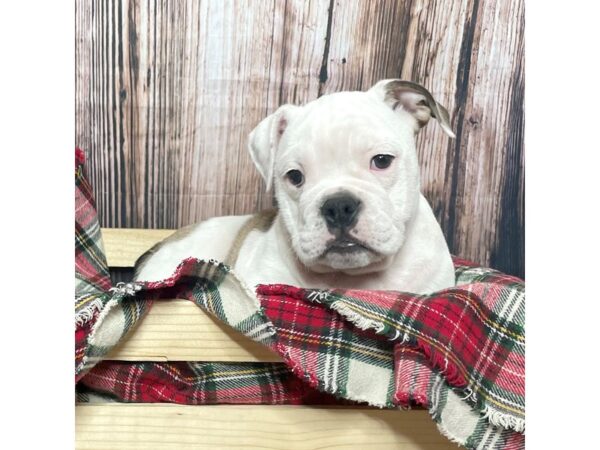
[
  {"x": 331, "y": 214},
  {"x": 340, "y": 211}
]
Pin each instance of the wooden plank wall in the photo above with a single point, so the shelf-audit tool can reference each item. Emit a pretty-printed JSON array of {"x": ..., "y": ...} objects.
[{"x": 167, "y": 92}]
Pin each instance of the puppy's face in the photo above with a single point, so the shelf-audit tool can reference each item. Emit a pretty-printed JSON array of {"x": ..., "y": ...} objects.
[{"x": 345, "y": 173}]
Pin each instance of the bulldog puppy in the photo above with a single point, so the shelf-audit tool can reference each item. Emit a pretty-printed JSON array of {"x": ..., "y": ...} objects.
[{"x": 350, "y": 211}]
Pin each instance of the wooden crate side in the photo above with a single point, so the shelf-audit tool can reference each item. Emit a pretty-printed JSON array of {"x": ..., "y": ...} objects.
[
  {"x": 131, "y": 426},
  {"x": 123, "y": 246},
  {"x": 174, "y": 330},
  {"x": 178, "y": 330}
]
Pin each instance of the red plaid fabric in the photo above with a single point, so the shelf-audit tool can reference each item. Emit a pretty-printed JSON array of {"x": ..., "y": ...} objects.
[
  {"x": 92, "y": 279},
  {"x": 472, "y": 335},
  {"x": 90, "y": 262},
  {"x": 191, "y": 383},
  {"x": 459, "y": 352}
]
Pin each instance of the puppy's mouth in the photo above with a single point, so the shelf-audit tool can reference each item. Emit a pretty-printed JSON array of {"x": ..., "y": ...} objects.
[{"x": 345, "y": 245}]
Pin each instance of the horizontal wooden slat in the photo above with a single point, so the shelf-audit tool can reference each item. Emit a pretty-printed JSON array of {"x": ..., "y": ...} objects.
[
  {"x": 174, "y": 330},
  {"x": 124, "y": 245},
  {"x": 178, "y": 330},
  {"x": 154, "y": 426}
]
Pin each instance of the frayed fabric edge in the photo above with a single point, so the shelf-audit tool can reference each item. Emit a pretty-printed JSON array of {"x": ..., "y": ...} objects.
[
  {"x": 444, "y": 431},
  {"x": 88, "y": 362},
  {"x": 499, "y": 419},
  {"x": 366, "y": 324},
  {"x": 492, "y": 415},
  {"x": 495, "y": 417},
  {"x": 107, "y": 309},
  {"x": 433, "y": 411},
  {"x": 86, "y": 314},
  {"x": 360, "y": 321},
  {"x": 318, "y": 383}
]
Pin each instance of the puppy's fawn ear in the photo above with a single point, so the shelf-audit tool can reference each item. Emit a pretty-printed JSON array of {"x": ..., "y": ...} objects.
[
  {"x": 415, "y": 99},
  {"x": 264, "y": 140}
]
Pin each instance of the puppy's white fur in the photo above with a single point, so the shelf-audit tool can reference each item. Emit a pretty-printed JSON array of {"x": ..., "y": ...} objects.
[{"x": 332, "y": 141}]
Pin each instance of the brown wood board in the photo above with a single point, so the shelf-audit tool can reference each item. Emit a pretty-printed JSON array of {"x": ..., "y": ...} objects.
[{"x": 167, "y": 92}]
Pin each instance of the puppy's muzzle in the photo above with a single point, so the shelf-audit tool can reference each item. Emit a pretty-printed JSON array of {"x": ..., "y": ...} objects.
[{"x": 340, "y": 212}]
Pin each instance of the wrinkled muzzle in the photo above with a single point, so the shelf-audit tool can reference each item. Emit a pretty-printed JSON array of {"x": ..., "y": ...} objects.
[{"x": 344, "y": 229}]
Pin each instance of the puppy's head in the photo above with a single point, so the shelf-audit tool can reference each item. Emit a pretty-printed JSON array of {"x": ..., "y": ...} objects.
[{"x": 345, "y": 172}]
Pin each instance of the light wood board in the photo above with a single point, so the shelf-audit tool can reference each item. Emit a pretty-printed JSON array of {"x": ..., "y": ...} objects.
[
  {"x": 160, "y": 426},
  {"x": 178, "y": 330},
  {"x": 124, "y": 245},
  {"x": 174, "y": 330}
]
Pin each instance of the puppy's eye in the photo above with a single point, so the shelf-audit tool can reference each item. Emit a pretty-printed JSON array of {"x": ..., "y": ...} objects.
[
  {"x": 381, "y": 162},
  {"x": 295, "y": 177}
]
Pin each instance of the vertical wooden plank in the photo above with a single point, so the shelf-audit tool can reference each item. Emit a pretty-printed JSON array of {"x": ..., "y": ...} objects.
[
  {"x": 437, "y": 37},
  {"x": 167, "y": 92},
  {"x": 469, "y": 55},
  {"x": 414, "y": 40},
  {"x": 182, "y": 85},
  {"x": 485, "y": 209},
  {"x": 367, "y": 42},
  {"x": 83, "y": 61},
  {"x": 250, "y": 61}
]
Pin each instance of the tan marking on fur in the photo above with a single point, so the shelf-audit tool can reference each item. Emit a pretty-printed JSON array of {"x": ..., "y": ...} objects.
[
  {"x": 424, "y": 109},
  {"x": 261, "y": 221},
  {"x": 177, "y": 236}
]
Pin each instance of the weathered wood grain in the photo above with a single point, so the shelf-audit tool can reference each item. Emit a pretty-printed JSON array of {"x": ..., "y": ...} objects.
[
  {"x": 163, "y": 426},
  {"x": 174, "y": 330},
  {"x": 166, "y": 93}
]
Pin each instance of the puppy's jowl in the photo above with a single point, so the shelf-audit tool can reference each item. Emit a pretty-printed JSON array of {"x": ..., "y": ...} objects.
[{"x": 350, "y": 211}]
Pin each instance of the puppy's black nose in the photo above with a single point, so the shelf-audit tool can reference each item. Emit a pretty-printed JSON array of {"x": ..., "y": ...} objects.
[{"x": 340, "y": 211}]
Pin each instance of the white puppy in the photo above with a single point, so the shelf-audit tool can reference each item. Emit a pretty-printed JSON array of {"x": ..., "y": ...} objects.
[{"x": 350, "y": 212}]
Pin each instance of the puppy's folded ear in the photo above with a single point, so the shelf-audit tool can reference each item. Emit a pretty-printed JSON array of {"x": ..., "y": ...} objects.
[
  {"x": 264, "y": 140},
  {"x": 415, "y": 99}
]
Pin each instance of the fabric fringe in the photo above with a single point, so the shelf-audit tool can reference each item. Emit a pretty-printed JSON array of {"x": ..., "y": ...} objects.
[
  {"x": 126, "y": 288},
  {"x": 107, "y": 309},
  {"x": 368, "y": 324},
  {"x": 453, "y": 377},
  {"x": 86, "y": 314},
  {"x": 314, "y": 382},
  {"x": 495, "y": 417},
  {"x": 87, "y": 363},
  {"x": 360, "y": 321},
  {"x": 502, "y": 420},
  {"x": 444, "y": 431}
]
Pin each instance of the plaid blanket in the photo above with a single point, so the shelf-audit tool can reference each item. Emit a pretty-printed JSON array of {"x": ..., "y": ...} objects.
[{"x": 459, "y": 352}]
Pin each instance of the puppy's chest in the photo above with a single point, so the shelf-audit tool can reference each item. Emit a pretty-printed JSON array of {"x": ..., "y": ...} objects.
[{"x": 260, "y": 261}]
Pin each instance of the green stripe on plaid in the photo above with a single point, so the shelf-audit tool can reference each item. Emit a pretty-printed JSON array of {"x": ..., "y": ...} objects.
[
  {"x": 92, "y": 278},
  {"x": 194, "y": 383},
  {"x": 324, "y": 348},
  {"x": 473, "y": 333}
]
